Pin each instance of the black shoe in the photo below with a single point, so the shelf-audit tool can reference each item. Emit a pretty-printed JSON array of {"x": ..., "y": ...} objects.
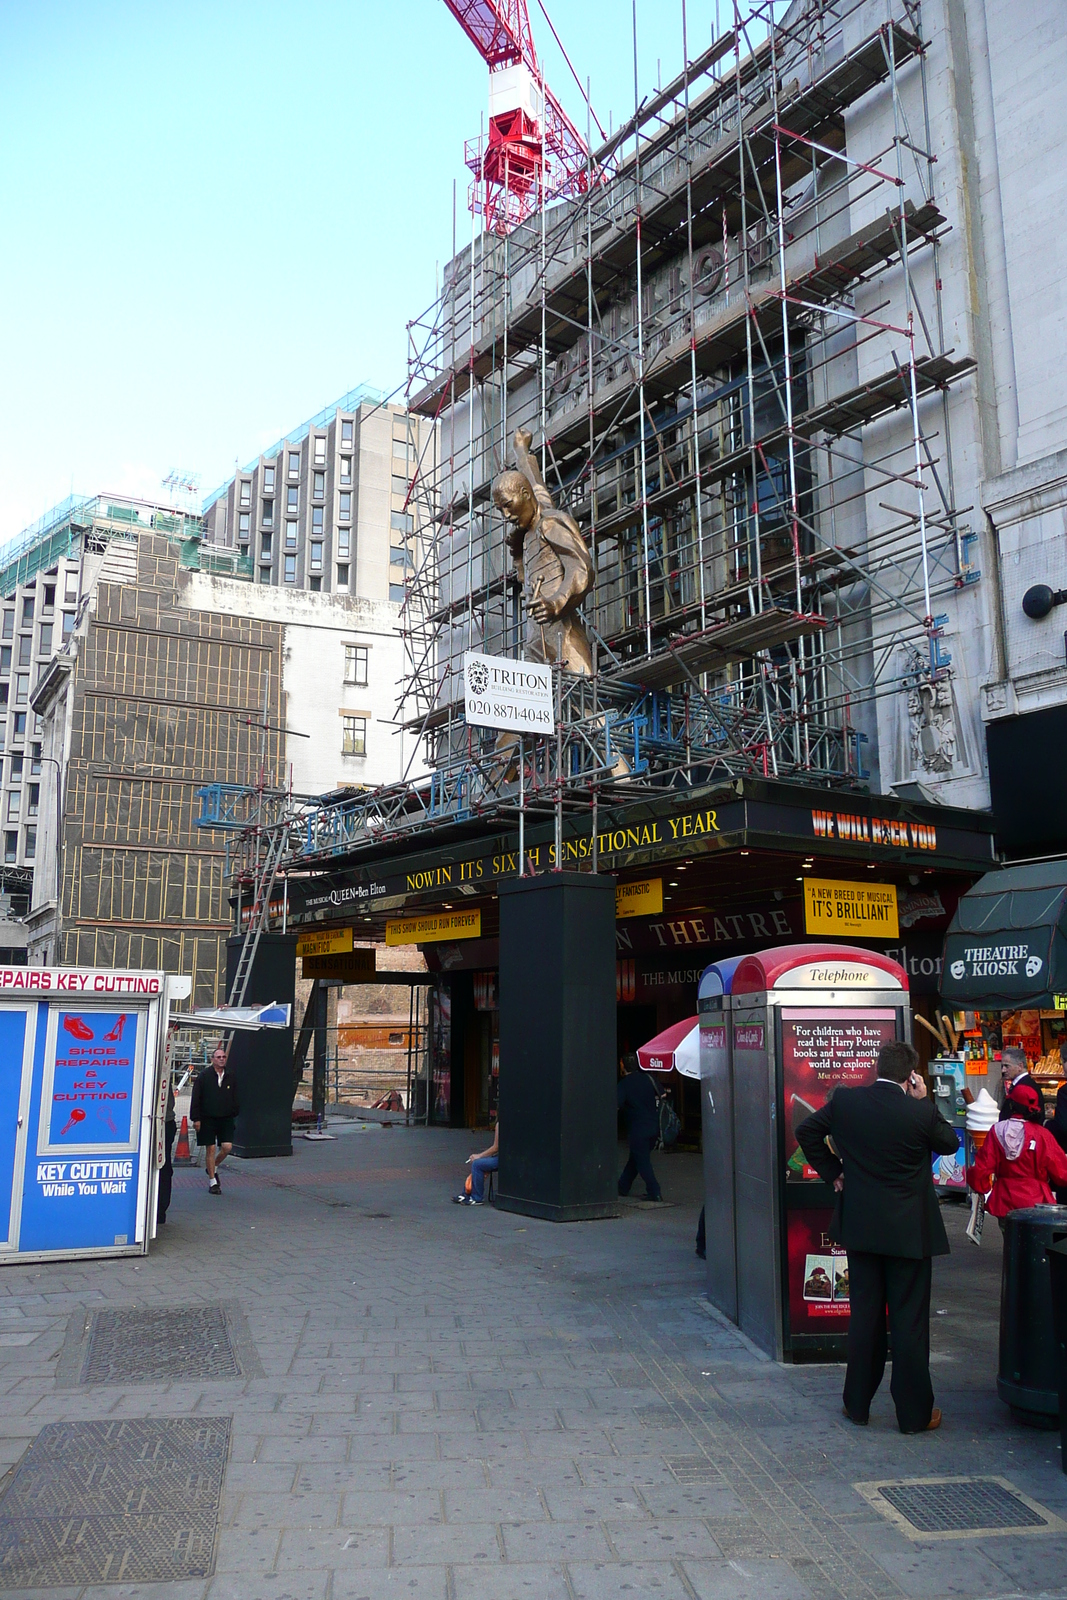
[
  {"x": 702, "y": 1255},
  {"x": 861, "y": 1422},
  {"x": 160, "y": 1221},
  {"x": 214, "y": 1187},
  {"x": 651, "y": 1197}
]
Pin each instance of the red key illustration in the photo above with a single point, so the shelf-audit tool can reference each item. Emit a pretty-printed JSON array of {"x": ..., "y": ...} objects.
[
  {"x": 116, "y": 1031},
  {"x": 77, "y": 1027},
  {"x": 77, "y": 1115}
]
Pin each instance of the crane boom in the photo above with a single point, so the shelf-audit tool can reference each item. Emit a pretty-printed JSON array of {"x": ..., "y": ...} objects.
[{"x": 533, "y": 150}]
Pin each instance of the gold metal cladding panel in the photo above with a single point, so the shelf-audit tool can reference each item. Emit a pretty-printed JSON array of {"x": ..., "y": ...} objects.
[
  {"x": 201, "y": 956},
  {"x": 117, "y": 810},
  {"x": 197, "y": 741},
  {"x": 140, "y": 886},
  {"x": 149, "y": 663}
]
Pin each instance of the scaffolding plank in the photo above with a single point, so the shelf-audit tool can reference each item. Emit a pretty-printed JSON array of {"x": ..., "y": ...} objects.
[{"x": 719, "y": 646}]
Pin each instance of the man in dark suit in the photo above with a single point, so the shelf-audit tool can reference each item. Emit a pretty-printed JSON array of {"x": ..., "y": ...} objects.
[
  {"x": 887, "y": 1217},
  {"x": 637, "y": 1097},
  {"x": 1014, "y": 1069}
]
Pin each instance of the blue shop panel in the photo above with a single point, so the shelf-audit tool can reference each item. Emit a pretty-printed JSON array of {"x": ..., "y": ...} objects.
[
  {"x": 14, "y": 1024},
  {"x": 82, "y": 1168}
]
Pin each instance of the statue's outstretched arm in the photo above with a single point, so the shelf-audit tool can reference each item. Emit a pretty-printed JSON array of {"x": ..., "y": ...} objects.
[{"x": 527, "y": 465}]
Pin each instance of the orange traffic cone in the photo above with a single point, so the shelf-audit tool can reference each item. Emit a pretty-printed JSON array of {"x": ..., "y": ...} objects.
[{"x": 182, "y": 1154}]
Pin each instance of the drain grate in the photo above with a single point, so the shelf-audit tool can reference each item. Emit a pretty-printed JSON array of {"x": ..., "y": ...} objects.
[
  {"x": 130, "y": 1344},
  {"x": 953, "y": 1508},
  {"x": 693, "y": 1469},
  {"x": 146, "y": 1346},
  {"x": 114, "y": 1502}
]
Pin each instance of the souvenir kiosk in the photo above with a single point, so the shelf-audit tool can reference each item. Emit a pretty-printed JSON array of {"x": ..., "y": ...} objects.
[
  {"x": 82, "y": 1102},
  {"x": 793, "y": 1024}
]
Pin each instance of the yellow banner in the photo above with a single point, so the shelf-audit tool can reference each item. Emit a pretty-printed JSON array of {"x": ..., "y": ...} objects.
[
  {"x": 431, "y": 929},
  {"x": 330, "y": 942},
  {"x": 641, "y": 899},
  {"x": 866, "y": 909}
]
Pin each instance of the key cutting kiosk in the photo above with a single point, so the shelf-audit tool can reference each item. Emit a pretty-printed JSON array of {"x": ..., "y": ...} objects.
[{"x": 799, "y": 1020}]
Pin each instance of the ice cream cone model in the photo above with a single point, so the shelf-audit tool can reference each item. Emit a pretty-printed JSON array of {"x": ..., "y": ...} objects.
[{"x": 979, "y": 1139}]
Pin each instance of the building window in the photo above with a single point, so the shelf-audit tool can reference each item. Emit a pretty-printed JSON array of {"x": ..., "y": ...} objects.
[
  {"x": 9, "y": 624},
  {"x": 290, "y": 535},
  {"x": 353, "y": 736},
  {"x": 345, "y": 509},
  {"x": 290, "y": 569},
  {"x": 49, "y": 596},
  {"x": 292, "y": 500},
  {"x": 68, "y": 625},
  {"x": 268, "y": 480},
  {"x": 18, "y": 730},
  {"x": 342, "y": 575},
  {"x": 4, "y": 691},
  {"x": 33, "y": 799},
  {"x": 16, "y": 769},
  {"x": 342, "y": 544},
  {"x": 316, "y": 558},
  {"x": 397, "y": 593},
  {"x": 25, "y": 649},
  {"x": 11, "y": 848},
  {"x": 35, "y": 759},
  {"x": 265, "y": 552},
  {"x": 346, "y": 432},
  {"x": 316, "y": 521},
  {"x": 320, "y": 451},
  {"x": 246, "y": 492},
  {"x": 70, "y": 589},
  {"x": 14, "y": 801},
  {"x": 22, "y": 688},
  {"x": 244, "y": 523},
  {"x": 400, "y": 486},
  {"x": 402, "y": 450},
  {"x": 27, "y": 611},
  {"x": 402, "y": 521},
  {"x": 5, "y": 658},
  {"x": 356, "y": 657},
  {"x": 31, "y": 843},
  {"x": 400, "y": 557},
  {"x": 44, "y": 643},
  {"x": 268, "y": 513},
  {"x": 315, "y": 585},
  {"x": 294, "y": 463},
  {"x": 346, "y": 469},
  {"x": 318, "y": 490},
  {"x": 264, "y": 574}
]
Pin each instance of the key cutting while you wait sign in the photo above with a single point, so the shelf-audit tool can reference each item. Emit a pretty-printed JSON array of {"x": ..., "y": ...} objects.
[{"x": 501, "y": 693}]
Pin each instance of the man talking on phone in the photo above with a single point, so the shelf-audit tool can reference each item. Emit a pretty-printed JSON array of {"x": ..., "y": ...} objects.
[{"x": 887, "y": 1217}]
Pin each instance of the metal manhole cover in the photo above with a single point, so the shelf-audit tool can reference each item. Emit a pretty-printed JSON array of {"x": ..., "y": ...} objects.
[
  {"x": 132, "y": 1344},
  {"x": 958, "y": 1508},
  {"x": 693, "y": 1469},
  {"x": 114, "y": 1502}
]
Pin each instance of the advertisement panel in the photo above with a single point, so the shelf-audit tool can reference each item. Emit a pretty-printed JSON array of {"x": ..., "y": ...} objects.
[
  {"x": 91, "y": 1081},
  {"x": 818, "y": 1275},
  {"x": 507, "y": 694},
  {"x": 854, "y": 910},
  {"x": 823, "y": 1048}
]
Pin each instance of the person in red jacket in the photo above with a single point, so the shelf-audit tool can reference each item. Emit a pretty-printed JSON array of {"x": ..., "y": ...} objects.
[{"x": 1020, "y": 1158}]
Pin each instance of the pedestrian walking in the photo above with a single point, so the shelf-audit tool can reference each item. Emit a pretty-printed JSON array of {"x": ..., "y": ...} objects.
[
  {"x": 637, "y": 1097},
  {"x": 1014, "y": 1070},
  {"x": 166, "y": 1171},
  {"x": 487, "y": 1161},
  {"x": 213, "y": 1110},
  {"x": 1020, "y": 1159},
  {"x": 887, "y": 1218},
  {"x": 1057, "y": 1126}
]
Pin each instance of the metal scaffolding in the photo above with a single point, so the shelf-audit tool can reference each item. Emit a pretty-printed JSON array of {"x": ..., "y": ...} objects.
[{"x": 731, "y": 354}]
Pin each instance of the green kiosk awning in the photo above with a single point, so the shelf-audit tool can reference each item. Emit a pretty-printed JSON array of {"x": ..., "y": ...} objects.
[{"x": 1007, "y": 944}]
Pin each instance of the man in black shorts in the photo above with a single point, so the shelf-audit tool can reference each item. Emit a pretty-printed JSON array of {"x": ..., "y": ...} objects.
[{"x": 213, "y": 1109}]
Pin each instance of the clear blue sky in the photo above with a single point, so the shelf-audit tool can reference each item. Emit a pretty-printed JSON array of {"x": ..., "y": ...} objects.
[{"x": 218, "y": 216}]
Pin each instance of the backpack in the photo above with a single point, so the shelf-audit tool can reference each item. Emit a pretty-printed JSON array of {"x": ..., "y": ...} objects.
[{"x": 670, "y": 1125}]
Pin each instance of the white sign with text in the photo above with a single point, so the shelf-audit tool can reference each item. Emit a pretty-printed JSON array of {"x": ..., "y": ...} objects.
[{"x": 501, "y": 693}]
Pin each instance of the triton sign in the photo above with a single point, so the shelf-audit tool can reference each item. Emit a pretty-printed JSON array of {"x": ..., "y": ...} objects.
[{"x": 512, "y": 695}]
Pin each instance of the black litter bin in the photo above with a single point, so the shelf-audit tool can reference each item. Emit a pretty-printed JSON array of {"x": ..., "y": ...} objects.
[
  {"x": 1057, "y": 1264},
  {"x": 1028, "y": 1377}
]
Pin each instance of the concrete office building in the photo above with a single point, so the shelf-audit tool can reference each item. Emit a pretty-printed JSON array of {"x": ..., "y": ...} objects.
[{"x": 329, "y": 507}]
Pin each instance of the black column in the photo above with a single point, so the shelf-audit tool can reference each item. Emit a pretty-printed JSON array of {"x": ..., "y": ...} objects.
[
  {"x": 557, "y": 1047},
  {"x": 262, "y": 1063}
]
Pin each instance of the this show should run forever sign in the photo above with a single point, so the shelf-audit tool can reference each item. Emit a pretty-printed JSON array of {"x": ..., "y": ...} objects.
[{"x": 512, "y": 695}]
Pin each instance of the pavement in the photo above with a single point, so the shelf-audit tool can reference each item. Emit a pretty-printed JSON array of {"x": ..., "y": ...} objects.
[{"x": 463, "y": 1404}]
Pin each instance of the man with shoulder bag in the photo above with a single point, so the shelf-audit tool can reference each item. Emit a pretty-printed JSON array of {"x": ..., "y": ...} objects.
[{"x": 887, "y": 1217}]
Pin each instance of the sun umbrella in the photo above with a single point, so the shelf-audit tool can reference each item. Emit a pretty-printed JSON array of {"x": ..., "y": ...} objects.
[{"x": 676, "y": 1049}]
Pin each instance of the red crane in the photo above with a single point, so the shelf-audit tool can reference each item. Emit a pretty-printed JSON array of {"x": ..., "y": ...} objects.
[{"x": 532, "y": 143}]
